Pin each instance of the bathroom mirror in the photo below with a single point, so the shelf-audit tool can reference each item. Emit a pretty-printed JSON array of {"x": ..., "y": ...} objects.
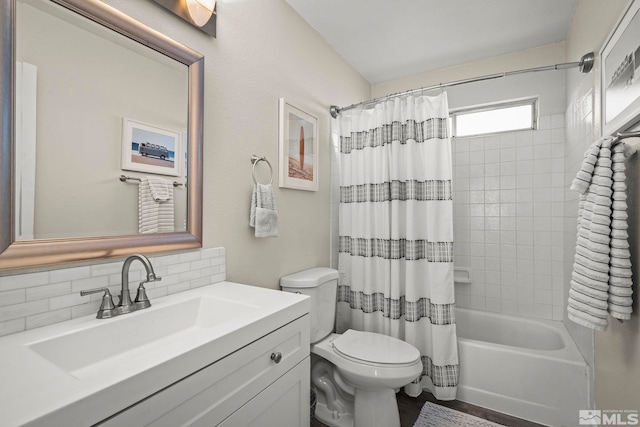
[{"x": 81, "y": 82}]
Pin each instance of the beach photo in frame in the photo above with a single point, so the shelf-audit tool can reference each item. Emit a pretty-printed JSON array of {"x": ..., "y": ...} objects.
[
  {"x": 620, "y": 74},
  {"x": 150, "y": 149},
  {"x": 298, "y": 148}
]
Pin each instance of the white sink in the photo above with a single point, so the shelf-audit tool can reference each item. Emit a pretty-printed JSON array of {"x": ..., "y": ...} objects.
[
  {"x": 89, "y": 369},
  {"x": 76, "y": 350}
]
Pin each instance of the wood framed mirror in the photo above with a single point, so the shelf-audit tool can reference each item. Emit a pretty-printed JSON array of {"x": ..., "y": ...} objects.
[{"x": 49, "y": 248}]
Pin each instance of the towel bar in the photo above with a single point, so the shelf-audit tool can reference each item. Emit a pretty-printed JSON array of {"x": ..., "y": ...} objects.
[
  {"x": 125, "y": 178},
  {"x": 255, "y": 160}
]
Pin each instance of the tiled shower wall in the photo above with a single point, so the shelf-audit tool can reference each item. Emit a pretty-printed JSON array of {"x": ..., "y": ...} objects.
[
  {"x": 509, "y": 220},
  {"x": 32, "y": 300},
  {"x": 580, "y": 135}
]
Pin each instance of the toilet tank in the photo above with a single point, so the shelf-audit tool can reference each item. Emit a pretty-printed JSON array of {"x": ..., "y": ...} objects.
[{"x": 321, "y": 284}]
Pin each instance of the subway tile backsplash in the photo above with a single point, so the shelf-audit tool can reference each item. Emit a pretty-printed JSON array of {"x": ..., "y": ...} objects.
[
  {"x": 509, "y": 220},
  {"x": 32, "y": 300}
]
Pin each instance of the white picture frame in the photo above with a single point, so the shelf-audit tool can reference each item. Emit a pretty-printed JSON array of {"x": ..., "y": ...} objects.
[
  {"x": 151, "y": 149},
  {"x": 620, "y": 74},
  {"x": 298, "y": 150}
]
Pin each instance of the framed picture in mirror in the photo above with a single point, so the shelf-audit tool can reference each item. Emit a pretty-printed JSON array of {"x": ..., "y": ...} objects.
[{"x": 151, "y": 149}]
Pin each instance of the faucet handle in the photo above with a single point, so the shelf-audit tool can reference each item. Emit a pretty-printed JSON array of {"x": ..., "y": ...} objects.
[
  {"x": 107, "y": 300},
  {"x": 141, "y": 296}
]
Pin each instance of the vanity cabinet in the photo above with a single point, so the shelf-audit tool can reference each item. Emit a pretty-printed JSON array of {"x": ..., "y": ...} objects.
[{"x": 264, "y": 383}]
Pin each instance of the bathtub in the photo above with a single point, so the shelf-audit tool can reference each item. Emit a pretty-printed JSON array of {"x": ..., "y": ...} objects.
[{"x": 527, "y": 368}]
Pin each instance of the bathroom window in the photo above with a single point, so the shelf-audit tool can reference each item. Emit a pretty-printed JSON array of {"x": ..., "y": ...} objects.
[{"x": 495, "y": 118}]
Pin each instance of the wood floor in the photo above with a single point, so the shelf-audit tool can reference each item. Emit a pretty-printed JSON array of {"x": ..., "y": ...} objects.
[{"x": 409, "y": 409}]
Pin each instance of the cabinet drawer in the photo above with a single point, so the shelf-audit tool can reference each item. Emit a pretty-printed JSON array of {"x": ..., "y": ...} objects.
[{"x": 211, "y": 394}]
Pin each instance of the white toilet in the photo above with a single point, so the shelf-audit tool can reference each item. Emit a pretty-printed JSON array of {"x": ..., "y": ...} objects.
[{"x": 356, "y": 373}]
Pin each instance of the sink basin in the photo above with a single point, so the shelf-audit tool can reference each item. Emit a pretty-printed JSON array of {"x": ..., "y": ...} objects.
[
  {"x": 84, "y": 370},
  {"x": 118, "y": 336}
]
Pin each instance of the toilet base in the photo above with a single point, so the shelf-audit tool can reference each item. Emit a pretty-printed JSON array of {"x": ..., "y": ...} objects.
[
  {"x": 376, "y": 408},
  {"x": 331, "y": 418}
]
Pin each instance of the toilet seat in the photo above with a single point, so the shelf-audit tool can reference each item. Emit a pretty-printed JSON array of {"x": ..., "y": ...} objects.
[{"x": 375, "y": 349}]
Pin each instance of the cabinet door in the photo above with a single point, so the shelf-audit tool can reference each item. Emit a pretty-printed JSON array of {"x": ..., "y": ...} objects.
[
  {"x": 285, "y": 403},
  {"x": 211, "y": 394}
]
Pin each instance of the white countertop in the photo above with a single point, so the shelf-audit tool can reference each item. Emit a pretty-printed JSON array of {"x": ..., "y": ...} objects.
[{"x": 36, "y": 392}]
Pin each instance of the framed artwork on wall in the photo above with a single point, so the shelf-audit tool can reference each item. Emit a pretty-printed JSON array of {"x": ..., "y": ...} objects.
[
  {"x": 298, "y": 148},
  {"x": 151, "y": 149},
  {"x": 620, "y": 74}
]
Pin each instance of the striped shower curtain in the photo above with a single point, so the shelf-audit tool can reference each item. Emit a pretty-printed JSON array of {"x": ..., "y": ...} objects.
[{"x": 396, "y": 232}]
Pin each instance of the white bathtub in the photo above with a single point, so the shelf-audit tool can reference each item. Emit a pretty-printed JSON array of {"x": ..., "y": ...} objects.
[{"x": 527, "y": 368}]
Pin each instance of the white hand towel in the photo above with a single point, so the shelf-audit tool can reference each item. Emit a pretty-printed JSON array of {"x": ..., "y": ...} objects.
[
  {"x": 264, "y": 215},
  {"x": 155, "y": 211},
  {"x": 161, "y": 189}
]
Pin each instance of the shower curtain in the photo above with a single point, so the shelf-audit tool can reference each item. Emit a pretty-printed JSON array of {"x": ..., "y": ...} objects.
[{"x": 396, "y": 232}]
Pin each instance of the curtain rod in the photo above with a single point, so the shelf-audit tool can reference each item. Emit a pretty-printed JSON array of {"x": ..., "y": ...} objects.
[
  {"x": 584, "y": 65},
  {"x": 619, "y": 136}
]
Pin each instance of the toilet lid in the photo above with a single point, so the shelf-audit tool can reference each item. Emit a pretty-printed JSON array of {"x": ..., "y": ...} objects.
[{"x": 370, "y": 347}]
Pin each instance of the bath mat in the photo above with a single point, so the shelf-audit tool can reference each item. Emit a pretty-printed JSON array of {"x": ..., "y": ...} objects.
[{"x": 433, "y": 415}]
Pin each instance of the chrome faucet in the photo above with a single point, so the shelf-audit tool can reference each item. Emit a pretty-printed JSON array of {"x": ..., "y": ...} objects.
[
  {"x": 125, "y": 305},
  {"x": 141, "y": 297}
]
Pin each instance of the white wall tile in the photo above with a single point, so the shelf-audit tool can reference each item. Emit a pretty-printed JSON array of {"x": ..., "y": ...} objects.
[
  {"x": 37, "y": 299},
  {"x": 48, "y": 291},
  {"x": 509, "y": 306},
  {"x": 508, "y": 154},
  {"x": 524, "y": 167},
  {"x": 520, "y": 211},
  {"x": 492, "y": 266},
  {"x": 21, "y": 281},
  {"x": 524, "y": 152},
  {"x": 15, "y": 311},
  {"x": 544, "y": 122},
  {"x": 15, "y": 296},
  {"x": 507, "y": 140},
  {"x": 525, "y": 294},
  {"x": 476, "y": 144},
  {"x": 493, "y": 305},
  {"x": 12, "y": 326},
  {"x": 509, "y": 293},
  {"x": 557, "y": 122},
  {"x": 48, "y": 318}
]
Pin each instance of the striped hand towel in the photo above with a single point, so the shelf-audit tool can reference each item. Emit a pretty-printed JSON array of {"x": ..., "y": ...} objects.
[
  {"x": 155, "y": 206},
  {"x": 601, "y": 278}
]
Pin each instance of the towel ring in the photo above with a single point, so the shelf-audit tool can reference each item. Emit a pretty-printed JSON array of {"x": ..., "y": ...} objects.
[{"x": 255, "y": 160}]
